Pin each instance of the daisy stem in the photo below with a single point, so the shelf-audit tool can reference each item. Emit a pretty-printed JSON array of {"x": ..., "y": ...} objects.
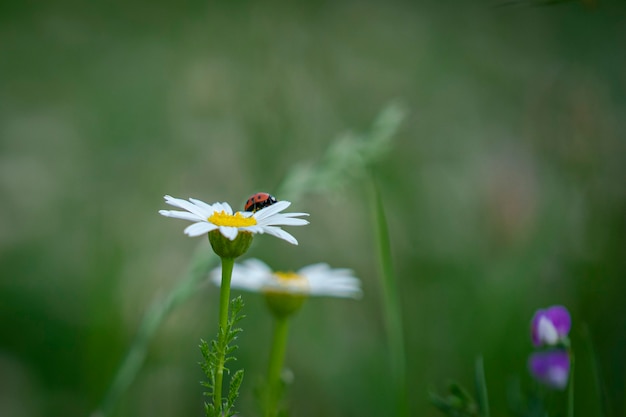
[
  {"x": 277, "y": 359},
  {"x": 227, "y": 271}
]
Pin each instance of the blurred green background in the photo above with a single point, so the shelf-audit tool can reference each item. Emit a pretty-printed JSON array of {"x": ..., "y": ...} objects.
[{"x": 505, "y": 191}]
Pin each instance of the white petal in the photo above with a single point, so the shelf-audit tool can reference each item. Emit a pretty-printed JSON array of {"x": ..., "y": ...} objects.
[
  {"x": 253, "y": 229},
  {"x": 323, "y": 271},
  {"x": 547, "y": 332},
  {"x": 199, "y": 228},
  {"x": 228, "y": 208},
  {"x": 185, "y": 215},
  {"x": 294, "y": 214},
  {"x": 217, "y": 207},
  {"x": 271, "y": 210},
  {"x": 229, "y": 232},
  {"x": 177, "y": 202},
  {"x": 216, "y": 276},
  {"x": 338, "y": 292},
  {"x": 256, "y": 265},
  {"x": 352, "y": 289},
  {"x": 225, "y": 207},
  {"x": 248, "y": 282},
  {"x": 172, "y": 201},
  {"x": 327, "y": 281},
  {"x": 280, "y": 233},
  {"x": 558, "y": 376},
  {"x": 251, "y": 275},
  {"x": 285, "y": 286},
  {"x": 336, "y": 282},
  {"x": 314, "y": 269},
  {"x": 280, "y": 220},
  {"x": 203, "y": 205}
]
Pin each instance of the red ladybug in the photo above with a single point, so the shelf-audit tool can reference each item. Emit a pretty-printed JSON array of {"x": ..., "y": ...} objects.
[{"x": 259, "y": 201}]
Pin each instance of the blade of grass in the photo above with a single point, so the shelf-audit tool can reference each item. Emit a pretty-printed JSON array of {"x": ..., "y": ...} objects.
[
  {"x": 605, "y": 409},
  {"x": 481, "y": 387},
  {"x": 570, "y": 388},
  {"x": 391, "y": 305}
]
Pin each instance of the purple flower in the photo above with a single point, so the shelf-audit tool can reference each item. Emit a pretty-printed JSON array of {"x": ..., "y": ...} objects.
[
  {"x": 550, "y": 368},
  {"x": 550, "y": 326}
]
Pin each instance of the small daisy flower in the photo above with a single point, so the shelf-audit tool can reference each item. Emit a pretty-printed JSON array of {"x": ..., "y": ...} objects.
[
  {"x": 550, "y": 368},
  {"x": 286, "y": 291},
  {"x": 317, "y": 280},
  {"x": 219, "y": 217},
  {"x": 550, "y": 326}
]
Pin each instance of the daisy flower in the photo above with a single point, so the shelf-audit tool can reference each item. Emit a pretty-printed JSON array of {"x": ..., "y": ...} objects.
[
  {"x": 220, "y": 216},
  {"x": 285, "y": 292},
  {"x": 316, "y": 280}
]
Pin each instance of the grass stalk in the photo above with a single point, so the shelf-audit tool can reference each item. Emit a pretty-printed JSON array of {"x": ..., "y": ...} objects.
[{"x": 391, "y": 306}]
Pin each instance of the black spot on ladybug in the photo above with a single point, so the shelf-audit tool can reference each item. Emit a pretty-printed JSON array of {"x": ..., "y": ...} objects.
[{"x": 259, "y": 201}]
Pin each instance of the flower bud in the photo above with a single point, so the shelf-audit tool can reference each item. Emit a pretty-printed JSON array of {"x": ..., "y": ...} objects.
[{"x": 226, "y": 248}]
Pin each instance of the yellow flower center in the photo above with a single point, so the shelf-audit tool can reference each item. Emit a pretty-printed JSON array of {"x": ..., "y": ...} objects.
[
  {"x": 291, "y": 281},
  {"x": 287, "y": 275},
  {"x": 231, "y": 220}
]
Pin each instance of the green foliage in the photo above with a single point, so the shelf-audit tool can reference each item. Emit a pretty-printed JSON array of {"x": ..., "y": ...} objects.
[
  {"x": 524, "y": 404},
  {"x": 223, "y": 347},
  {"x": 458, "y": 402}
]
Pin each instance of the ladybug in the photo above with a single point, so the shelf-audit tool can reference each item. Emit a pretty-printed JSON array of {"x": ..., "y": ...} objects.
[{"x": 259, "y": 201}]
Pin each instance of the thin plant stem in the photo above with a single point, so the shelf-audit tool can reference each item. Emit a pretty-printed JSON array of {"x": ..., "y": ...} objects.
[
  {"x": 391, "y": 306},
  {"x": 276, "y": 362},
  {"x": 227, "y": 271},
  {"x": 600, "y": 389},
  {"x": 481, "y": 387},
  {"x": 570, "y": 388}
]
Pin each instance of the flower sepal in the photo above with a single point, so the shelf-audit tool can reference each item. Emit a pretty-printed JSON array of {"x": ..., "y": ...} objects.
[
  {"x": 284, "y": 304},
  {"x": 226, "y": 248}
]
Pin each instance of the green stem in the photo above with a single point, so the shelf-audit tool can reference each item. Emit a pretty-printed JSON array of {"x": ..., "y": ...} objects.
[
  {"x": 277, "y": 359},
  {"x": 227, "y": 271},
  {"x": 570, "y": 388},
  {"x": 600, "y": 389},
  {"x": 392, "y": 308},
  {"x": 481, "y": 387}
]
